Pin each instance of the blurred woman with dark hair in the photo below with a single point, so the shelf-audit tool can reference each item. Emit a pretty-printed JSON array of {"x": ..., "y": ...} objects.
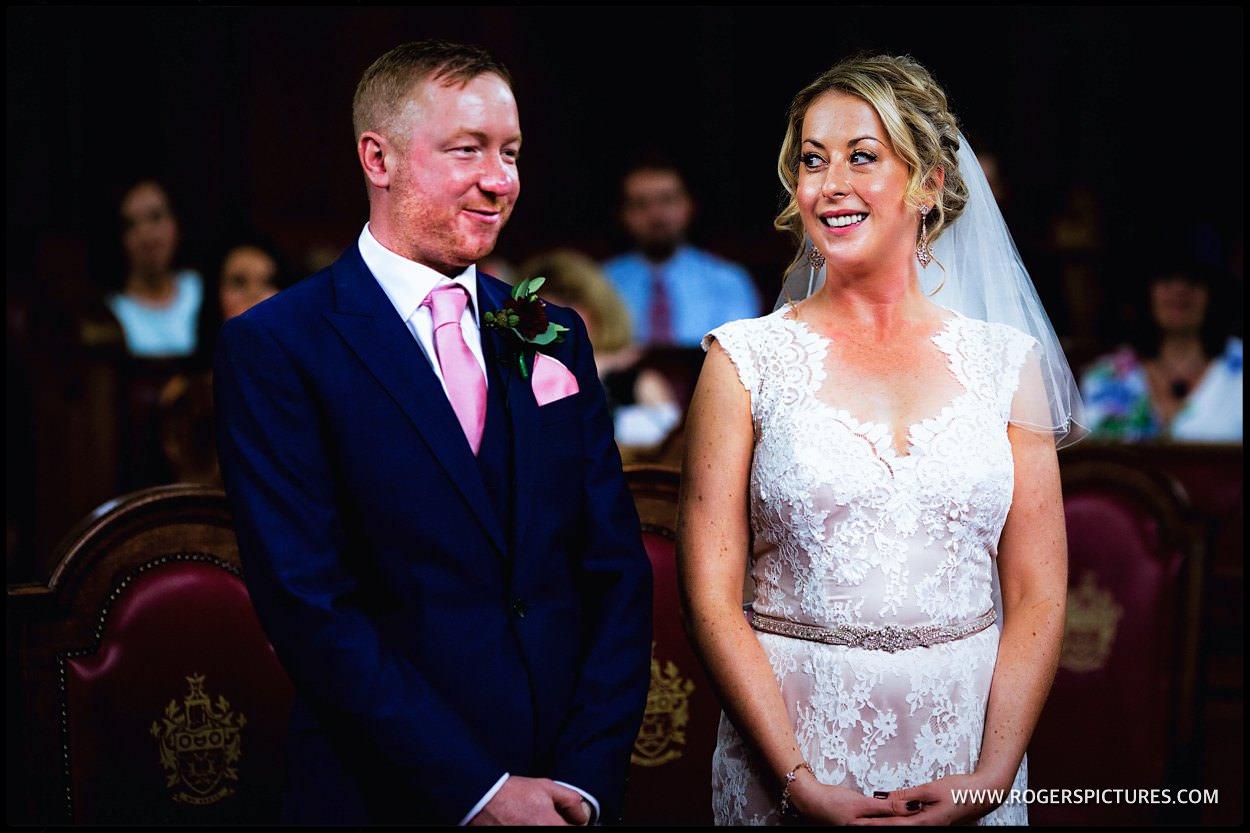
[
  {"x": 247, "y": 270},
  {"x": 158, "y": 305},
  {"x": 1181, "y": 379}
]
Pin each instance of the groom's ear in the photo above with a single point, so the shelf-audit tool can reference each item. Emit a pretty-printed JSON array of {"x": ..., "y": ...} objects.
[{"x": 371, "y": 149}]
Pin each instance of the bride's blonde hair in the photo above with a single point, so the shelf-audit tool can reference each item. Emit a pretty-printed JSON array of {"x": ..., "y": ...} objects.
[{"x": 921, "y": 129}]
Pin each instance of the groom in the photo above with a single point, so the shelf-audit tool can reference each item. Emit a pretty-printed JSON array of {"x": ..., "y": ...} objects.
[{"x": 439, "y": 544}]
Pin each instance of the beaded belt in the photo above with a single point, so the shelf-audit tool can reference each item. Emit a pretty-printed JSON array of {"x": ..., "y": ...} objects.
[{"x": 887, "y": 638}]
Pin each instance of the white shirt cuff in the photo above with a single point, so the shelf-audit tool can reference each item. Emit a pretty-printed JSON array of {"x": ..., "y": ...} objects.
[
  {"x": 590, "y": 799},
  {"x": 477, "y": 808}
]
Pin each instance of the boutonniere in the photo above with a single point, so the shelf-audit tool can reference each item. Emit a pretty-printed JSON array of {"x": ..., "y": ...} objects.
[{"x": 524, "y": 315}]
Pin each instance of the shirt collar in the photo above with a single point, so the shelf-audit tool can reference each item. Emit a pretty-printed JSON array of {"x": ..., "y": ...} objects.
[{"x": 407, "y": 282}]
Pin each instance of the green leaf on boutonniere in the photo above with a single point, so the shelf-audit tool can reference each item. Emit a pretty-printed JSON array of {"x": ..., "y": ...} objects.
[
  {"x": 554, "y": 331},
  {"x": 527, "y": 288}
]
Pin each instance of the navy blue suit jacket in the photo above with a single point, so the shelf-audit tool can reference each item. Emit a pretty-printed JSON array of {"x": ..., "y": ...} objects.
[{"x": 431, "y": 649}]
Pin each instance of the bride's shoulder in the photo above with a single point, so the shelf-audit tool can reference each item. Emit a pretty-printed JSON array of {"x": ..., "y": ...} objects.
[{"x": 746, "y": 332}]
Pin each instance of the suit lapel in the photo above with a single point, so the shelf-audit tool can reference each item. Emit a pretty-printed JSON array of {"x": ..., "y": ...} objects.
[
  {"x": 522, "y": 408},
  {"x": 367, "y": 321}
]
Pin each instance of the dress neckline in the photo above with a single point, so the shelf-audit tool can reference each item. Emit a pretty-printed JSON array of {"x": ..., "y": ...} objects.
[{"x": 880, "y": 436}]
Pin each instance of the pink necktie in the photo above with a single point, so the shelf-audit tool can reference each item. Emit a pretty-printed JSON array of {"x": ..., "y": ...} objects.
[{"x": 466, "y": 386}]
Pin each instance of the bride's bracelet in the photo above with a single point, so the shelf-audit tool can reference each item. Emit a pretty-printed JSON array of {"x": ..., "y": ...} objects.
[{"x": 788, "y": 780}]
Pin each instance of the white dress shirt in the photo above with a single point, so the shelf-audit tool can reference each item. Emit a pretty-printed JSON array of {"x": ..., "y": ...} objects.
[{"x": 406, "y": 283}]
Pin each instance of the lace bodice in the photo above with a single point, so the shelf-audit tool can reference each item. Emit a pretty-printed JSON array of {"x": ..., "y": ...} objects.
[
  {"x": 849, "y": 529},
  {"x": 852, "y": 525}
]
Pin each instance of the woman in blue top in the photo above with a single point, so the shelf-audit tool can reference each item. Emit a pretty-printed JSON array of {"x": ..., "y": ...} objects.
[{"x": 158, "y": 305}]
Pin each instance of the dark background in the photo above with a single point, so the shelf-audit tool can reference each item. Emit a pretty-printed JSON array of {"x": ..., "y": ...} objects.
[{"x": 245, "y": 113}]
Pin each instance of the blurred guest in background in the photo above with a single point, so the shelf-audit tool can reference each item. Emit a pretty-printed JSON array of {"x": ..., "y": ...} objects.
[
  {"x": 158, "y": 304},
  {"x": 157, "y": 309},
  {"x": 1181, "y": 379},
  {"x": 644, "y": 406},
  {"x": 247, "y": 270},
  {"x": 675, "y": 292}
]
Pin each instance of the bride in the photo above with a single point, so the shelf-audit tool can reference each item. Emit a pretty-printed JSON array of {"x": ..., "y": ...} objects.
[{"x": 880, "y": 455}]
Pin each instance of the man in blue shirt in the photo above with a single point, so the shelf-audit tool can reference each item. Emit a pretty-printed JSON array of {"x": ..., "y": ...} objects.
[{"x": 675, "y": 292}]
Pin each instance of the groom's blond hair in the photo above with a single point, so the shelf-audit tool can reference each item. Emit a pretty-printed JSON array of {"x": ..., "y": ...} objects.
[{"x": 389, "y": 81}]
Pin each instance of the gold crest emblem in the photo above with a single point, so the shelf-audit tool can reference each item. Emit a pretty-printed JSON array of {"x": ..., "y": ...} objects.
[
  {"x": 662, "y": 737},
  {"x": 199, "y": 745},
  {"x": 1090, "y": 628}
]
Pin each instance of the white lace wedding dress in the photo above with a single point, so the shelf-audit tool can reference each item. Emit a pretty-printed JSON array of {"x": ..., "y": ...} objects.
[{"x": 849, "y": 529}]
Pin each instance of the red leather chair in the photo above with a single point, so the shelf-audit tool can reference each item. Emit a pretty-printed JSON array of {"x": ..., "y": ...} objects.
[
  {"x": 670, "y": 778},
  {"x": 1214, "y": 479},
  {"x": 150, "y": 695},
  {"x": 1121, "y": 713}
]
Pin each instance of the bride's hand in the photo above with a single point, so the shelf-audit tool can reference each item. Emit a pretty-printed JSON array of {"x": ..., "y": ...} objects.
[
  {"x": 937, "y": 803},
  {"x": 818, "y": 803}
]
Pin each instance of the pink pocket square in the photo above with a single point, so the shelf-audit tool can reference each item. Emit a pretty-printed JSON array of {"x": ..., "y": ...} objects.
[{"x": 552, "y": 380}]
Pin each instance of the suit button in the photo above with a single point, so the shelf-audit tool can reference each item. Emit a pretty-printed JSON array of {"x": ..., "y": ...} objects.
[{"x": 519, "y": 608}]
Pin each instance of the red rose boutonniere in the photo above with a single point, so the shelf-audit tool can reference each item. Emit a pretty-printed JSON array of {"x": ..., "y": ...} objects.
[{"x": 524, "y": 315}]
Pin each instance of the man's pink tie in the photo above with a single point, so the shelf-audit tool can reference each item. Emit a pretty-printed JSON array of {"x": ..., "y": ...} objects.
[{"x": 466, "y": 386}]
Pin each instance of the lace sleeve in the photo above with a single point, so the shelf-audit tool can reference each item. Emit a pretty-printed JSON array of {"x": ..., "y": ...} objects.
[{"x": 733, "y": 339}]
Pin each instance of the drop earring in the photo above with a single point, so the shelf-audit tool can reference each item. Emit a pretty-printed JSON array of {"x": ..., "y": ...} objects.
[
  {"x": 815, "y": 262},
  {"x": 924, "y": 253},
  {"x": 815, "y": 258}
]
